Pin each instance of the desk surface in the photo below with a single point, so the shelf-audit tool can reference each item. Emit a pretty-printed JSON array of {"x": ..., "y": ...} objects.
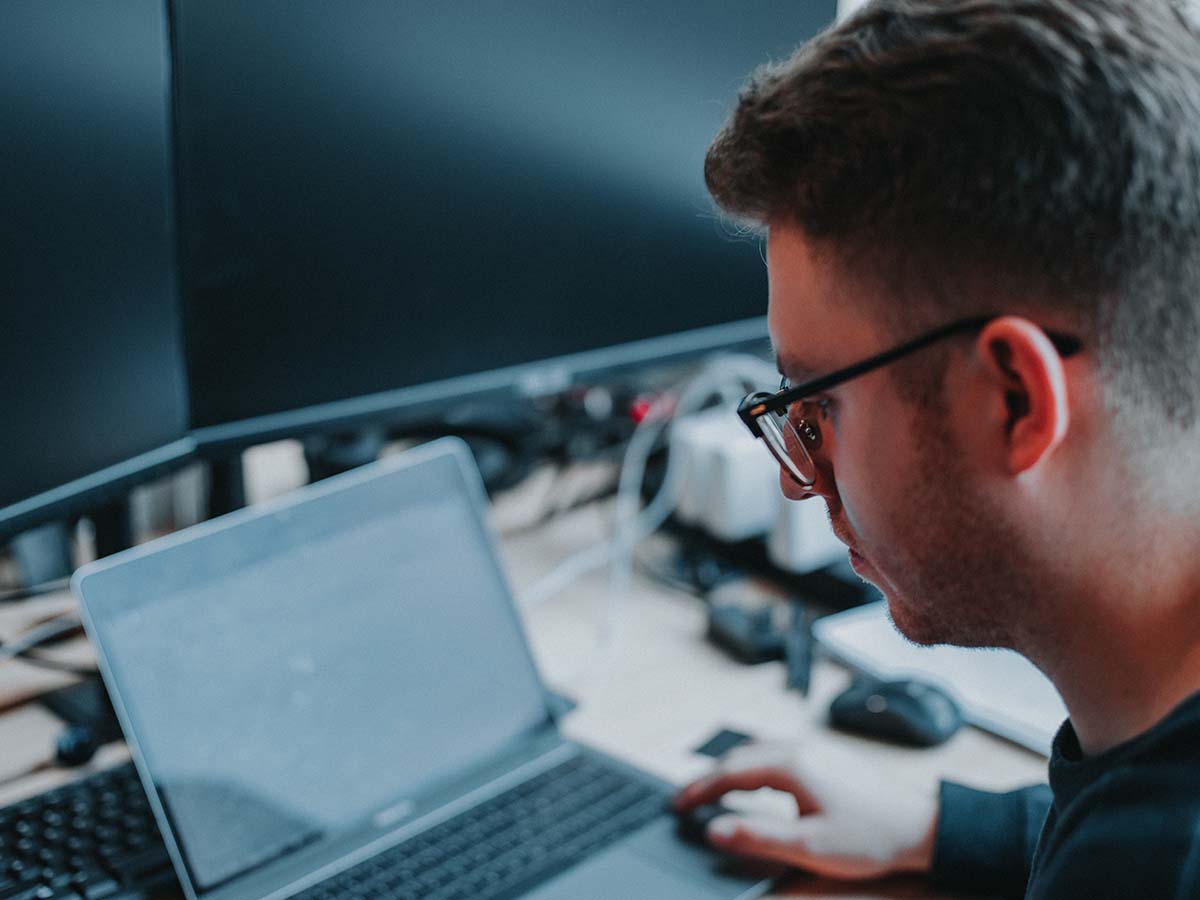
[{"x": 650, "y": 689}]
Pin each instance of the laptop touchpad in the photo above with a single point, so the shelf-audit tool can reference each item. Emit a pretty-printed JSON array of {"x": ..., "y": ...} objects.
[{"x": 623, "y": 873}]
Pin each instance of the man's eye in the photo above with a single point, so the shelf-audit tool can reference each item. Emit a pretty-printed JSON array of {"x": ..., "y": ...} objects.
[{"x": 816, "y": 408}]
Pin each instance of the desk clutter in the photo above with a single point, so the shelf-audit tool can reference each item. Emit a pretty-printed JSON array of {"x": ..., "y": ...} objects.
[
  {"x": 61, "y": 842},
  {"x": 254, "y": 709}
]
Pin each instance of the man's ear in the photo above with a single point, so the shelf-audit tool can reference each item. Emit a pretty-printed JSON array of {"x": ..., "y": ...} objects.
[{"x": 1023, "y": 363}]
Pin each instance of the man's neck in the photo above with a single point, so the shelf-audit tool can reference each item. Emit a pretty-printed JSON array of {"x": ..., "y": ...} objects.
[{"x": 1124, "y": 670}]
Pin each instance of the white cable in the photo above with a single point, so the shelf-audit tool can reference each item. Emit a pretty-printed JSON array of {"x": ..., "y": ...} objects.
[
  {"x": 566, "y": 573},
  {"x": 39, "y": 634},
  {"x": 725, "y": 376}
]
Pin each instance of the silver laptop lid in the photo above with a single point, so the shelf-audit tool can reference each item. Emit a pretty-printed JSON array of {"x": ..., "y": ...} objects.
[{"x": 291, "y": 673}]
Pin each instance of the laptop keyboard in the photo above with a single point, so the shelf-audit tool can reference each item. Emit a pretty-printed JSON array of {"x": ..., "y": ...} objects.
[
  {"x": 508, "y": 844},
  {"x": 92, "y": 839},
  {"x": 97, "y": 838}
]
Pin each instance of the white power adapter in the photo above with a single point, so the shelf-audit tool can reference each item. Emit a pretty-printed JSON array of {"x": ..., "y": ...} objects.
[{"x": 729, "y": 487}]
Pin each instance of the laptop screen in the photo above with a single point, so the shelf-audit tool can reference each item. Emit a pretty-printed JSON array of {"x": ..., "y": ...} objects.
[{"x": 293, "y": 673}]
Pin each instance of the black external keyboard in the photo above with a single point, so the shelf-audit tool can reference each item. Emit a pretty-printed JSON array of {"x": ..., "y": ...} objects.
[
  {"x": 508, "y": 844},
  {"x": 94, "y": 839}
]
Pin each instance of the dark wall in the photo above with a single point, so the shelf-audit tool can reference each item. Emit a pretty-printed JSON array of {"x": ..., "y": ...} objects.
[{"x": 380, "y": 194}]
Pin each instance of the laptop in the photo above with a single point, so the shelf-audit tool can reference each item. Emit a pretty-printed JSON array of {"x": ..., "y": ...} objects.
[{"x": 331, "y": 696}]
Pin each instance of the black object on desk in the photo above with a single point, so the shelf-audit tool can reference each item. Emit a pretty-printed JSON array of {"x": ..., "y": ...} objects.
[
  {"x": 749, "y": 635},
  {"x": 907, "y": 712},
  {"x": 798, "y": 649},
  {"x": 722, "y": 742},
  {"x": 753, "y": 636},
  {"x": 91, "y": 722}
]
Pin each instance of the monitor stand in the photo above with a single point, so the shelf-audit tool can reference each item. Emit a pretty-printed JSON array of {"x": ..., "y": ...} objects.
[
  {"x": 226, "y": 485},
  {"x": 114, "y": 527},
  {"x": 42, "y": 554}
]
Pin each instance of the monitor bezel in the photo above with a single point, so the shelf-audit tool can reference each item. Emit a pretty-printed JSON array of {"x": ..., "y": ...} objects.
[{"x": 422, "y": 403}]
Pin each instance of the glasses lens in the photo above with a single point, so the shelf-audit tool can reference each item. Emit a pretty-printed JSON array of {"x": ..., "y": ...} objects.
[{"x": 785, "y": 445}]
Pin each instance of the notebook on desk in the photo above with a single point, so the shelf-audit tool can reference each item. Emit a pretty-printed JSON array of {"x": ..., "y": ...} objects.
[
  {"x": 998, "y": 690},
  {"x": 331, "y": 696}
]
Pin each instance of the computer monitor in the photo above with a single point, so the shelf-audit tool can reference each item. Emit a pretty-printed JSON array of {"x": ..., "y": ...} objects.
[
  {"x": 91, "y": 360},
  {"x": 389, "y": 204}
]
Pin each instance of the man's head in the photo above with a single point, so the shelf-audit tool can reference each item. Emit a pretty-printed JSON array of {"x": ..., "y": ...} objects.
[{"x": 929, "y": 160}]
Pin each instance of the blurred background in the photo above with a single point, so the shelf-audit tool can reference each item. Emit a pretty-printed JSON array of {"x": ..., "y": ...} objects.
[{"x": 253, "y": 245}]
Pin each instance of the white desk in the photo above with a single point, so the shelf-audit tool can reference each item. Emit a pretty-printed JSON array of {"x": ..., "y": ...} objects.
[{"x": 658, "y": 691}]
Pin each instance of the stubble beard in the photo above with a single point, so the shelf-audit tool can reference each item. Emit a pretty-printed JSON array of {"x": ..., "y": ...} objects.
[{"x": 960, "y": 578}]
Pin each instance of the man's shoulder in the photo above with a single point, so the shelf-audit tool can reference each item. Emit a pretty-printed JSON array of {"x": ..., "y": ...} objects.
[{"x": 1135, "y": 831}]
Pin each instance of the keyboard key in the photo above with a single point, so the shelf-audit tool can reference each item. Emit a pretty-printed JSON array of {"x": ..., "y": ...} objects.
[
  {"x": 21, "y": 892},
  {"x": 98, "y": 890},
  {"x": 93, "y": 839}
]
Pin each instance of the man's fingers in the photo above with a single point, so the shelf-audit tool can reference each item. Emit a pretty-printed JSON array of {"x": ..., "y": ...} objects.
[
  {"x": 748, "y": 768},
  {"x": 711, "y": 789},
  {"x": 806, "y": 843},
  {"x": 768, "y": 837},
  {"x": 777, "y": 755}
]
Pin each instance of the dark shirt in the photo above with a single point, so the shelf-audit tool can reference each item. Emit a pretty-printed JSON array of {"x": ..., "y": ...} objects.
[{"x": 1124, "y": 823}]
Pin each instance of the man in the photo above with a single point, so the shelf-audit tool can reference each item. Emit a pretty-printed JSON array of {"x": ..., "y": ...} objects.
[{"x": 1017, "y": 184}]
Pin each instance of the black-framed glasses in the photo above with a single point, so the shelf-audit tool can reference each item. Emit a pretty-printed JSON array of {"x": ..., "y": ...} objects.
[{"x": 793, "y": 440}]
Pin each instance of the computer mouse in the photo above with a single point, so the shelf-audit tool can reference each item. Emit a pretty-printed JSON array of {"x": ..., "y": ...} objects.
[{"x": 907, "y": 712}]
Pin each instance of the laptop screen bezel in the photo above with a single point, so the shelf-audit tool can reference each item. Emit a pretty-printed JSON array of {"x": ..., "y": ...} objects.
[{"x": 295, "y": 871}]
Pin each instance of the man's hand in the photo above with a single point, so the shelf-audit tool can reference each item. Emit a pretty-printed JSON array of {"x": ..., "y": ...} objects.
[{"x": 854, "y": 822}]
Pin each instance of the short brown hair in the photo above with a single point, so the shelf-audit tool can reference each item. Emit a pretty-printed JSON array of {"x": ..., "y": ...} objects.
[{"x": 965, "y": 153}]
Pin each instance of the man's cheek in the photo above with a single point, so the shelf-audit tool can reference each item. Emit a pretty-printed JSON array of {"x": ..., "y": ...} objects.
[{"x": 858, "y": 518}]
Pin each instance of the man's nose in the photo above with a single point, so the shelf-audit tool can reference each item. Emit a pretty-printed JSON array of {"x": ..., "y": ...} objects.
[
  {"x": 823, "y": 487},
  {"x": 792, "y": 488}
]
